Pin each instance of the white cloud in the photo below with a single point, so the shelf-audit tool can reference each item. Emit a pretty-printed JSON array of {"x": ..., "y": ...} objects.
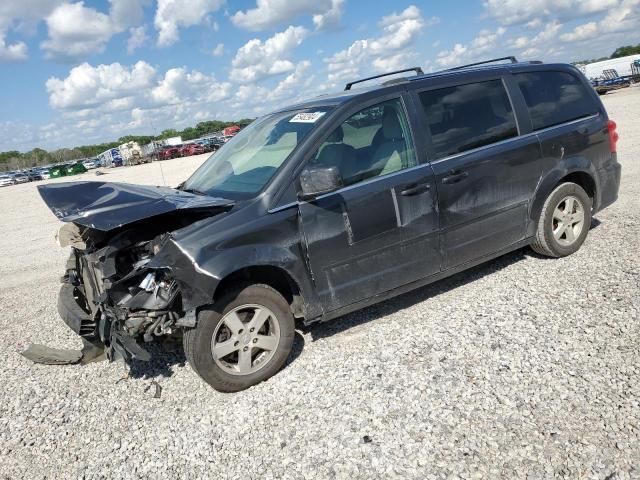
[
  {"x": 399, "y": 30},
  {"x": 331, "y": 18},
  {"x": 624, "y": 17},
  {"x": 549, "y": 33},
  {"x": 74, "y": 30},
  {"x": 137, "y": 38},
  {"x": 87, "y": 86},
  {"x": 257, "y": 60},
  {"x": 128, "y": 13},
  {"x": 14, "y": 14},
  {"x": 485, "y": 42},
  {"x": 581, "y": 32},
  {"x": 511, "y": 12},
  {"x": 13, "y": 52},
  {"x": 292, "y": 82},
  {"x": 393, "y": 62},
  {"x": 103, "y": 93},
  {"x": 181, "y": 86},
  {"x": 535, "y": 23},
  {"x": 271, "y": 13},
  {"x": 520, "y": 42},
  {"x": 218, "y": 51},
  {"x": 174, "y": 14},
  {"x": 24, "y": 9},
  {"x": 77, "y": 31}
]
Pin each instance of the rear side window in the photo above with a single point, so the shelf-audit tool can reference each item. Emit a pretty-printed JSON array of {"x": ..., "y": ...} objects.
[
  {"x": 554, "y": 98},
  {"x": 468, "y": 116}
]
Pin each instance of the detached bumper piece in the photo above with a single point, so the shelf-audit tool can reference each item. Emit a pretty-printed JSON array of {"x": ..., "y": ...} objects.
[
  {"x": 51, "y": 356},
  {"x": 71, "y": 311}
]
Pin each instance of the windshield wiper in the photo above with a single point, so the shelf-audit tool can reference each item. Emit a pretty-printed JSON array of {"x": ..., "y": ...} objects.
[{"x": 194, "y": 191}]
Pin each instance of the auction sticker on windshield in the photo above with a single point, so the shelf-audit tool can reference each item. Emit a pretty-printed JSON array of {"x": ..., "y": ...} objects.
[{"x": 306, "y": 117}]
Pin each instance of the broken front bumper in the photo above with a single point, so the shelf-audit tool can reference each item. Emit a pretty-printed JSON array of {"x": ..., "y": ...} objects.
[
  {"x": 73, "y": 314},
  {"x": 77, "y": 319}
]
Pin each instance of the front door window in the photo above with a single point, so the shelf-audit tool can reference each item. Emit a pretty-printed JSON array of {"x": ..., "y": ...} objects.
[{"x": 371, "y": 143}]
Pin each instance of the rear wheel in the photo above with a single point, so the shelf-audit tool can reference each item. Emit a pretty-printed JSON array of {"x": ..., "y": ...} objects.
[
  {"x": 564, "y": 222},
  {"x": 242, "y": 340}
]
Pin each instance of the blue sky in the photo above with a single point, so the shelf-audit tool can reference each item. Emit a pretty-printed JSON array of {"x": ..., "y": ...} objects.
[{"x": 74, "y": 73}]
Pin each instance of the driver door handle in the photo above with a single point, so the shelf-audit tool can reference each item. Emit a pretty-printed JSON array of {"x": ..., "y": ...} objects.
[
  {"x": 414, "y": 189},
  {"x": 455, "y": 176}
]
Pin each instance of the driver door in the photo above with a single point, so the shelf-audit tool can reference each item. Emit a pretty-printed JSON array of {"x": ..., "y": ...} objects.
[{"x": 380, "y": 230}]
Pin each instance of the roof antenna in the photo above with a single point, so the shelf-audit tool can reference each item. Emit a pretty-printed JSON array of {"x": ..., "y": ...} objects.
[{"x": 155, "y": 135}]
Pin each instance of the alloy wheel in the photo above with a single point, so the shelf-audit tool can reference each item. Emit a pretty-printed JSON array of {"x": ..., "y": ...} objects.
[
  {"x": 568, "y": 220},
  {"x": 245, "y": 339}
]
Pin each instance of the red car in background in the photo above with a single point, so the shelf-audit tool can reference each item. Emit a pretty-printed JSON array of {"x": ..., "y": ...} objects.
[
  {"x": 192, "y": 149},
  {"x": 168, "y": 153}
]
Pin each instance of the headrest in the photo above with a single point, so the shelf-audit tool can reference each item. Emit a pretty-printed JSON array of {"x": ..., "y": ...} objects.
[
  {"x": 336, "y": 136},
  {"x": 391, "y": 128}
]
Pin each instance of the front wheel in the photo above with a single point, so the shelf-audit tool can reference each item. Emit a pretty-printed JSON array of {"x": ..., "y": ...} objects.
[
  {"x": 245, "y": 338},
  {"x": 564, "y": 222}
]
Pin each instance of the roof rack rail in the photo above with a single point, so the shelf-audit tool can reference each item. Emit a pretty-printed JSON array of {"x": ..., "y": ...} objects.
[
  {"x": 418, "y": 71},
  {"x": 511, "y": 58}
]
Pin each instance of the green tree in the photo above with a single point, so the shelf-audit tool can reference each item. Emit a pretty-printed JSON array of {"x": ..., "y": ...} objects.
[
  {"x": 627, "y": 50},
  {"x": 168, "y": 133}
]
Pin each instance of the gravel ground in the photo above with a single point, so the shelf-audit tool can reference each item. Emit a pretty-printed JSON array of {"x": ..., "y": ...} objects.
[{"x": 521, "y": 368}]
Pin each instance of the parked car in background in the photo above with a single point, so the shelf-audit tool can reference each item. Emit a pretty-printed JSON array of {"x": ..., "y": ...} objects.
[
  {"x": 168, "y": 153},
  {"x": 192, "y": 149},
  {"x": 76, "y": 168},
  {"x": 90, "y": 163},
  {"x": 6, "y": 180},
  {"x": 20, "y": 177},
  {"x": 212, "y": 144},
  {"x": 44, "y": 173},
  {"x": 231, "y": 131},
  {"x": 34, "y": 175}
]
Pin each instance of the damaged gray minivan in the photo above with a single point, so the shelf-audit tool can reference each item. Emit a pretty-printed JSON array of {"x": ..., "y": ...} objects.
[{"x": 331, "y": 205}]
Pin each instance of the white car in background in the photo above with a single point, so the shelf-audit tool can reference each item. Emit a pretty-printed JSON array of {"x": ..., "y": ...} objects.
[
  {"x": 6, "y": 180},
  {"x": 89, "y": 164},
  {"x": 44, "y": 173},
  {"x": 21, "y": 178}
]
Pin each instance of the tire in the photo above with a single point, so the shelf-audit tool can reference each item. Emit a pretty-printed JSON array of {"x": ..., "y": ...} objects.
[
  {"x": 218, "y": 327},
  {"x": 556, "y": 235}
]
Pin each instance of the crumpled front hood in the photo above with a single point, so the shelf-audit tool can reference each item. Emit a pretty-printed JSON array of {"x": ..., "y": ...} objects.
[{"x": 109, "y": 205}]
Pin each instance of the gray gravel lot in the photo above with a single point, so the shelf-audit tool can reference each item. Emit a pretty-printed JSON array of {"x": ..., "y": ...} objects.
[{"x": 520, "y": 368}]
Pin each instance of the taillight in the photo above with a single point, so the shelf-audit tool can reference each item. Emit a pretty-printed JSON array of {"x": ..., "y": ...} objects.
[{"x": 613, "y": 136}]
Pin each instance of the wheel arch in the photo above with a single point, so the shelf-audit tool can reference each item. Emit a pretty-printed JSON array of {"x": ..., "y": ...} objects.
[
  {"x": 276, "y": 277},
  {"x": 583, "y": 175}
]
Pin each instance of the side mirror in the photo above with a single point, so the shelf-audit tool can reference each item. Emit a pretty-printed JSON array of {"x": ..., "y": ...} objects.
[{"x": 317, "y": 181}]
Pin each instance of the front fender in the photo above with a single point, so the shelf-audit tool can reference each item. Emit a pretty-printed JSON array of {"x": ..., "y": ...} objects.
[
  {"x": 200, "y": 273},
  {"x": 287, "y": 258}
]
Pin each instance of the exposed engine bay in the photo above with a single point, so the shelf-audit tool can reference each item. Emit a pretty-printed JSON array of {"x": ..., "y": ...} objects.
[
  {"x": 121, "y": 298},
  {"x": 129, "y": 283}
]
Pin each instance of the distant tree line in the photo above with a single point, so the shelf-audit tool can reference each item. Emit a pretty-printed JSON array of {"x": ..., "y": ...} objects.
[
  {"x": 14, "y": 160},
  {"x": 619, "y": 52}
]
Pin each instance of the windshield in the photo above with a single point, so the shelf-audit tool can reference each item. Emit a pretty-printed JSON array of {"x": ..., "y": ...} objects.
[{"x": 246, "y": 163}]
